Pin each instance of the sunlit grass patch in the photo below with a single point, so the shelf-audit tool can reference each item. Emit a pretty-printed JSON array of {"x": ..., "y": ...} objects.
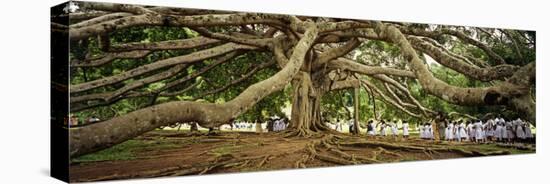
[{"x": 125, "y": 150}]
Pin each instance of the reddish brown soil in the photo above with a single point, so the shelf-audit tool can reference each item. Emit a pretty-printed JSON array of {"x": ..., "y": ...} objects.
[{"x": 241, "y": 152}]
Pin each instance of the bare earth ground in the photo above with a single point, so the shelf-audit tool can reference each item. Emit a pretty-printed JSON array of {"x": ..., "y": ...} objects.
[{"x": 170, "y": 153}]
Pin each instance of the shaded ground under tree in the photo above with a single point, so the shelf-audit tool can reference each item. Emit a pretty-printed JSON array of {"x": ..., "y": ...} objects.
[{"x": 170, "y": 153}]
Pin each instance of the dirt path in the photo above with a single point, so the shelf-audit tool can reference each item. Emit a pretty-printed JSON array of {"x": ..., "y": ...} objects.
[{"x": 242, "y": 152}]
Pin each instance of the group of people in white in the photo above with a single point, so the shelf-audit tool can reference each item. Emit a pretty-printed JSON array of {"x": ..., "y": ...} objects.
[
  {"x": 490, "y": 130},
  {"x": 496, "y": 129},
  {"x": 279, "y": 124},
  {"x": 389, "y": 128}
]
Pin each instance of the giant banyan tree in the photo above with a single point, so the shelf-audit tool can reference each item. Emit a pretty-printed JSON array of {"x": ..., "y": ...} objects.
[{"x": 312, "y": 56}]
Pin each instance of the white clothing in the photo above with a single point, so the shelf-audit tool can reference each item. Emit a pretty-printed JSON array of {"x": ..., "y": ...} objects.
[
  {"x": 519, "y": 132},
  {"x": 510, "y": 130},
  {"x": 450, "y": 135},
  {"x": 478, "y": 130},
  {"x": 471, "y": 131},
  {"x": 428, "y": 132},
  {"x": 393, "y": 129},
  {"x": 383, "y": 130},
  {"x": 462, "y": 131},
  {"x": 498, "y": 132},
  {"x": 405, "y": 129},
  {"x": 372, "y": 132}
]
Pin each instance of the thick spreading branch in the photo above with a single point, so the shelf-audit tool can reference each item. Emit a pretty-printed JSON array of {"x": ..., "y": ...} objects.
[
  {"x": 109, "y": 96},
  {"x": 185, "y": 59},
  {"x": 443, "y": 57},
  {"x": 498, "y": 94},
  {"x": 174, "y": 20},
  {"x": 116, "y": 130},
  {"x": 108, "y": 57},
  {"x": 189, "y": 43}
]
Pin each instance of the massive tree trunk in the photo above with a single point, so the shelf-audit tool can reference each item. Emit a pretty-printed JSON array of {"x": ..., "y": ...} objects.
[{"x": 306, "y": 107}]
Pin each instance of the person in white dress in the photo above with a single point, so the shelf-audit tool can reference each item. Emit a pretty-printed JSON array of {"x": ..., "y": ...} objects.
[
  {"x": 421, "y": 131},
  {"x": 503, "y": 132},
  {"x": 370, "y": 128},
  {"x": 338, "y": 125},
  {"x": 462, "y": 131},
  {"x": 405, "y": 129},
  {"x": 498, "y": 131},
  {"x": 478, "y": 131},
  {"x": 511, "y": 134},
  {"x": 393, "y": 127},
  {"x": 489, "y": 133},
  {"x": 451, "y": 131},
  {"x": 458, "y": 136},
  {"x": 382, "y": 125},
  {"x": 430, "y": 131},
  {"x": 471, "y": 131},
  {"x": 520, "y": 133},
  {"x": 275, "y": 125}
]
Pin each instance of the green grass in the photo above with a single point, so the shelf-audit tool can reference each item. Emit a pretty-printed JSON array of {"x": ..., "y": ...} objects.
[
  {"x": 224, "y": 150},
  {"x": 494, "y": 147},
  {"x": 125, "y": 151}
]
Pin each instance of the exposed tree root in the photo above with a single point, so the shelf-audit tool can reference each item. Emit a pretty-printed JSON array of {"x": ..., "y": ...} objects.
[
  {"x": 207, "y": 169},
  {"x": 325, "y": 148},
  {"x": 204, "y": 168},
  {"x": 145, "y": 174},
  {"x": 390, "y": 152},
  {"x": 328, "y": 142},
  {"x": 245, "y": 163},
  {"x": 416, "y": 148},
  {"x": 428, "y": 154},
  {"x": 267, "y": 157},
  {"x": 328, "y": 158},
  {"x": 179, "y": 170},
  {"x": 353, "y": 158},
  {"x": 298, "y": 133},
  {"x": 301, "y": 162}
]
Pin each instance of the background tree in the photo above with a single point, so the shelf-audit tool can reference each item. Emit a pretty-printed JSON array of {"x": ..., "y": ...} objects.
[{"x": 142, "y": 67}]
